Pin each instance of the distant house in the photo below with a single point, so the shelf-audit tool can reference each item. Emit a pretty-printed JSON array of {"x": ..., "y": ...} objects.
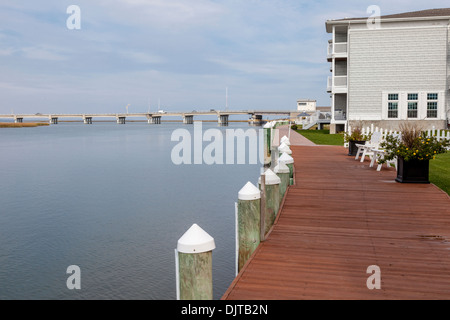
[
  {"x": 391, "y": 72},
  {"x": 306, "y": 105}
]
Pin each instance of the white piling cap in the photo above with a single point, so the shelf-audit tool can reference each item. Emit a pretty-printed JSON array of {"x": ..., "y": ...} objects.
[
  {"x": 285, "y": 140},
  {"x": 283, "y": 148},
  {"x": 271, "y": 178},
  {"x": 285, "y": 158},
  {"x": 268, "y": 125},
  {"x": 281, "y": 168},
  {"x": 249, "y": 192},
  {"x": 196, "y": 240}
]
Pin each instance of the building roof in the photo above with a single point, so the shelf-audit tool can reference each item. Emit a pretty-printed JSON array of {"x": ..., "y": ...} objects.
[{"x": 430, "y": 13}]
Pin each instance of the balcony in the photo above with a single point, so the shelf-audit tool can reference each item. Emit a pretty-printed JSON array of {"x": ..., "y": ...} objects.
[
  {"x": 340, "y": 115},
  {"x": 337, "y": 50},
  {"x": 338, "y": 84}
]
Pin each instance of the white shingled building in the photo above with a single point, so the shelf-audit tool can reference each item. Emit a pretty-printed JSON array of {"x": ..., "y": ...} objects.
[{"x": 392, "y": 71}]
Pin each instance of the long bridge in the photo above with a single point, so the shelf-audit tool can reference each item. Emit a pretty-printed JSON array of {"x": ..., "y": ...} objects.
[{"x": 153, "y": 118}]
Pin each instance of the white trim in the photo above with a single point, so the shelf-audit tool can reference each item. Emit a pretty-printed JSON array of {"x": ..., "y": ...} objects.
[
  {"x": 422, "y": 105},
  {"x": 401, "y": 28},
  {"x": 334, "y": 23}
]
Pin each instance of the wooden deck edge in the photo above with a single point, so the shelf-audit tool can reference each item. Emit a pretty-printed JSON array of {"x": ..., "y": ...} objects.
[
  {"x": 448, "y": 196},
  {"x": 237, "y": 278}
]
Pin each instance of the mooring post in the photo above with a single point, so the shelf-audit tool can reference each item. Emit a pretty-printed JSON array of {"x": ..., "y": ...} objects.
[
  {"x": 286, "y": 141},
  {"x": 270, "y": 187},
  {"x": 275, "y": 157},
  {"x": 283, "y": 172},
  {"x": 248, "y": 222},
  {"x": 267, "y": 143},
  {"x": 289, "y": 161},
  {"x": 193, "y": 258},
  {"x": 262, "y": 212},
  {"x": 284, "y": 148}
]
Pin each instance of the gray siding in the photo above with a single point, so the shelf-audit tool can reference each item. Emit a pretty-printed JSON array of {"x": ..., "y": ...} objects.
[{"x": 393, "y": 60}]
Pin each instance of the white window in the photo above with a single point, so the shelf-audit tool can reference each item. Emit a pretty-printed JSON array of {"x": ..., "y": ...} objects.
[
  {"x": 393, "y": 106},
  {"x": 432, "y": 105},
  {"x": 413, "y": 102}
]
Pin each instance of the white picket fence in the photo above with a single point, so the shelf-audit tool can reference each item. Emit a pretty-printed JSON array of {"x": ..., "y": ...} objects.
[{"x": 439, "y": 134}]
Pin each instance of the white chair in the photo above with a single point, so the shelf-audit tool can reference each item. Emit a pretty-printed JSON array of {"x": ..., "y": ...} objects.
[
  {"x": 366, "y": 149},
  {"x": 379, "y": 154}
]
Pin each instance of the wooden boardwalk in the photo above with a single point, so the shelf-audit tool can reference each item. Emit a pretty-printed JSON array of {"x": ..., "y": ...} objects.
[{"x": 342, "y": 217}]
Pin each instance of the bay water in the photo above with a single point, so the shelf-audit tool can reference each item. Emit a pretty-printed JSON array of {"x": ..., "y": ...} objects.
[{"x": 108, "y": 198}]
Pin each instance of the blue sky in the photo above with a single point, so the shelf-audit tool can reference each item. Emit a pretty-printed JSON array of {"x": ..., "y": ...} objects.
[{"x": 184, "y": 53}]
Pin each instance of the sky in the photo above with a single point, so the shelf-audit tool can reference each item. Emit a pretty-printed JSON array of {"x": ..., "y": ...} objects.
[{"x": 181, "y": 55}]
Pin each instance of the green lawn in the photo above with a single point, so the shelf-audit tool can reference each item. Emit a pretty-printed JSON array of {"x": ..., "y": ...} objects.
[
  {"x": 440, "y": 171},
  {"x": 323, "y": 137}
]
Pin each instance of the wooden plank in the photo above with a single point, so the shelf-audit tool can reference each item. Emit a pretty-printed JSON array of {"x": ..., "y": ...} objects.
[{"x": 338, "y": 219}]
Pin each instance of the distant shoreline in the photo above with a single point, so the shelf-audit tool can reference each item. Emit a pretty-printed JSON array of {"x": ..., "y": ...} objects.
[{"x": 22, "y": 125}]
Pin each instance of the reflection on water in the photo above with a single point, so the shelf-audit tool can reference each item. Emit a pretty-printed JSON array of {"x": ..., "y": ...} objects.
[{"x": 108, "y": 198}]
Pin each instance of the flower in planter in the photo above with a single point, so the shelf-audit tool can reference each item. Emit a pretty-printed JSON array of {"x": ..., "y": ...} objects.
[
  {"x": 356, "y": 135},
  {"x": 417, "y": 146}
]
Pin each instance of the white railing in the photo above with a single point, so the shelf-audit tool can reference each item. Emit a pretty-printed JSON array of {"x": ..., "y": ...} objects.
[
  {"x": 340, "y": 115},
  {"x": 439, "y": 134},
  {"x": 336, "y": 48},
  {"x": 340, "y": 81},
  {"x": 340, "y": 48}
]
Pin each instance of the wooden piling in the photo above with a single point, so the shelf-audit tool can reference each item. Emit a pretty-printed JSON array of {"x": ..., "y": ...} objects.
[
  {"x": 267, "y": 144},
  {"x": 289, "y": 161},
  {"x": 194, "y": 265},
  {"x": 249, "y": 209},
  {"x": 271, "y": 191},
  {"x": 284, "y": 148},
  {"x": 283, "y": 172}
]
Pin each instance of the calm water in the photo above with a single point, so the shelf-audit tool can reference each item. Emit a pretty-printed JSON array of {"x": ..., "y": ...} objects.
[{"x": 107, "y": 198}]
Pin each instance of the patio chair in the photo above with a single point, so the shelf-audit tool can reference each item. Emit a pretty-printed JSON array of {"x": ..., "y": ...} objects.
[
  {"x": 379, "y": 153},
  {"x": 366, "y": 149}
]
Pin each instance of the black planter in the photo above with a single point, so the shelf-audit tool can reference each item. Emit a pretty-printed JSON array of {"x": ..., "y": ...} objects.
[
  {"x": 413, "y": 171},
  {"x": 352, "y": 148}
]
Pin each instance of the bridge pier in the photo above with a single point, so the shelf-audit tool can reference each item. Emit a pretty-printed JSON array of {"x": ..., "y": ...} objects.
[
  {"x": 154, "y": 120},
  {"x": 188, "y": 119},
  {"x": 121, "y": 120},
  {"x": 87, "y": 120},
  {"x": 223, "y": 119},
  {"x": 256, "y": 120},
  {"x": 18, "y": 119},
  {"x": 53, "y": 120}
]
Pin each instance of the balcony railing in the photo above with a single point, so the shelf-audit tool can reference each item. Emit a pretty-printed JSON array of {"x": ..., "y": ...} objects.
[
  {"x": 339, "y": 49},
  {"x": 340, "y": 81},
  {"x": 340, "y": 115},
  {"x": 336, "y": 84}
]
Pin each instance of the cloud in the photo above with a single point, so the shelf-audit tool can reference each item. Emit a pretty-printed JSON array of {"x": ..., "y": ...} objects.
[
  {"x": 171, "y": 15},
  {"x": 42, "y": 53},
  {"x": 267, "y": 52}
]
